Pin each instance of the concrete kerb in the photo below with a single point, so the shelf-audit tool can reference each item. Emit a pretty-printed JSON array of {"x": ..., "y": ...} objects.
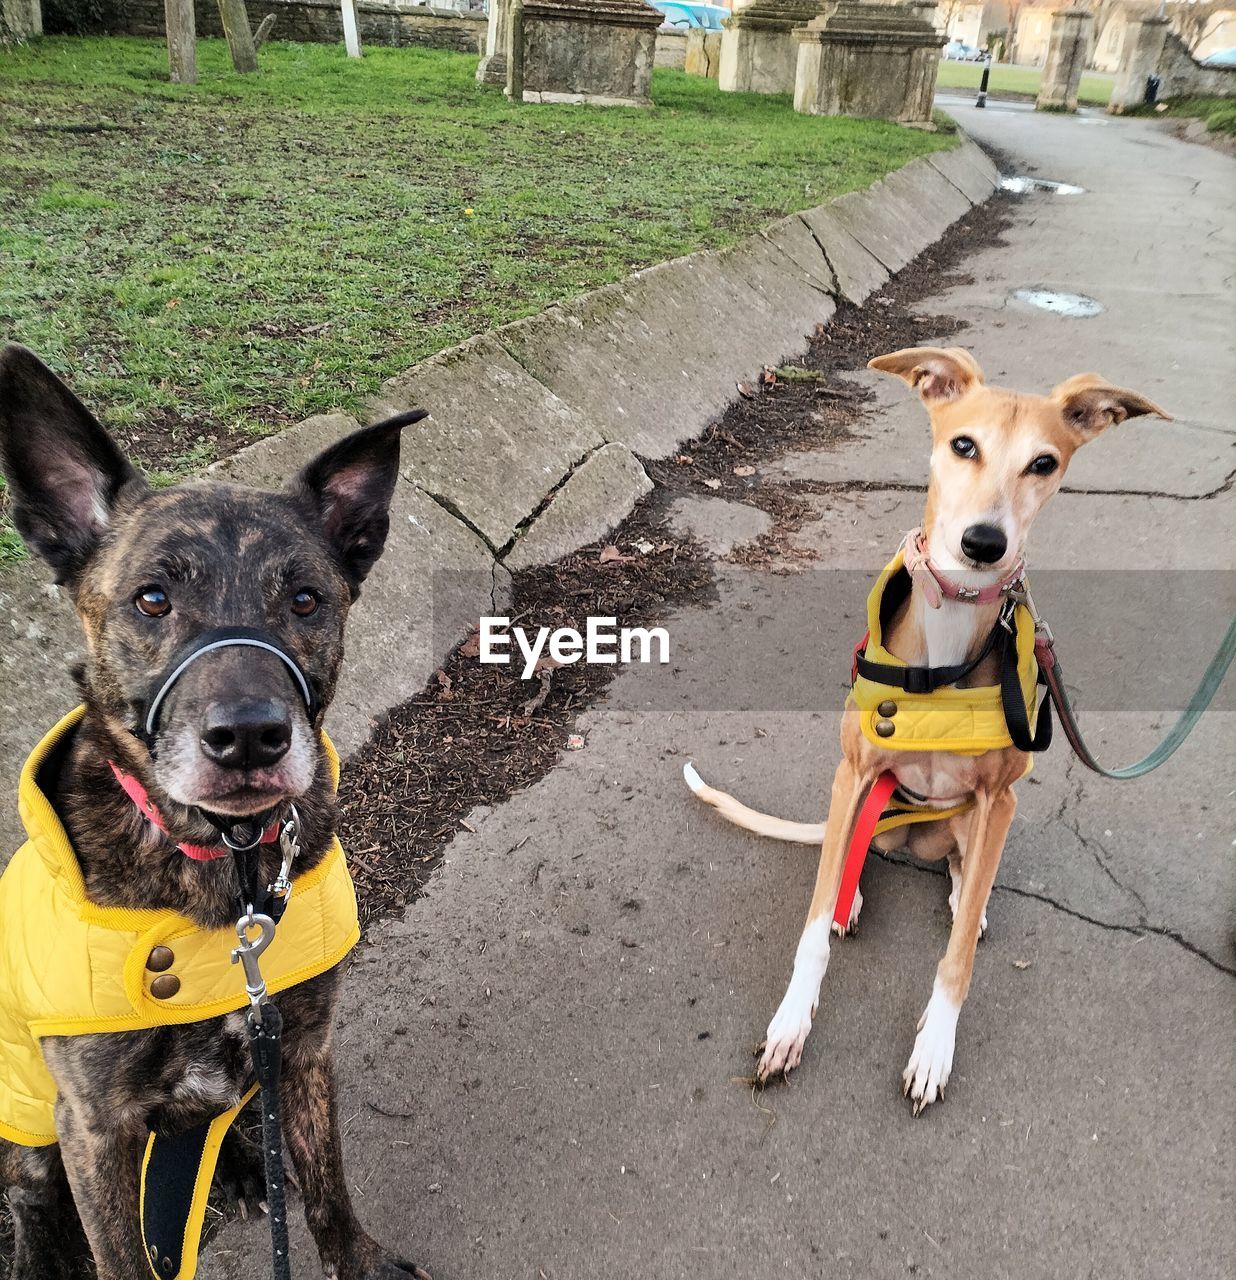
[{"x": 532, "y": 448}]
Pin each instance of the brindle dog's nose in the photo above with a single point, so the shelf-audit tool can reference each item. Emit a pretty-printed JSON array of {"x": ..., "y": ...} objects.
[
  {"x": 984, "y": 543},
  {"x": 252, "y": 734}
]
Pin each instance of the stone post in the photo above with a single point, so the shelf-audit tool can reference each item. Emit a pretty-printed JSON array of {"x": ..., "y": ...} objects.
[
  {"x": 869, "y": 59},
  {"x": 758, "y": 53},
  {"x": 1068, "y": 51},
  {"x": 703, "y": 53},
  {"x": 21, "y": 19},
  {"x": 492, "y": 69},
  {"x": 1143, "y": 47}
]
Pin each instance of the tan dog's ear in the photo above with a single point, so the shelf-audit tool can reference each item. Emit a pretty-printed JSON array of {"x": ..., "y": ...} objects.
[
  {"x": 1091, "y": 404},
  {"x": 937, "y": 373}
]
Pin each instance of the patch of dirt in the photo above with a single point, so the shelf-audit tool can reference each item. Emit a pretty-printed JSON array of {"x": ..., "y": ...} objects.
[{"x": 478, "y": 732}]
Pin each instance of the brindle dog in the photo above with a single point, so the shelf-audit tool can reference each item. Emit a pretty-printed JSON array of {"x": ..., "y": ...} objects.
[{"x": 148, "y": 571}]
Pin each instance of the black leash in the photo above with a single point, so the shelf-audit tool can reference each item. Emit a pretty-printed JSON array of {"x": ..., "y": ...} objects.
[{"x": 264, "y": 1021}]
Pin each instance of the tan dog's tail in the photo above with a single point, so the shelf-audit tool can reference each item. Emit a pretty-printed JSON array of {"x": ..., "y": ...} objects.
[{"x": 763, "y": 824}]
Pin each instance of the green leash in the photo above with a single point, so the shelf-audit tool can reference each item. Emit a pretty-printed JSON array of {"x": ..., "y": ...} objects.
[{"x": 1049, "y": 664}]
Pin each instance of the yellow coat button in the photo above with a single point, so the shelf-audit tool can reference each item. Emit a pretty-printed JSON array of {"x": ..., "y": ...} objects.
[
  {"x": 160, "y": 959},
  {"x": 885, "y": 728},
  {"x": 887, "y": 708},
  {"x": 165, "y": 986}
]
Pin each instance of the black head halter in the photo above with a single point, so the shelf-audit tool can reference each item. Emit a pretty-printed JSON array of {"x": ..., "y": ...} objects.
[{"x": 211, "y": 642}]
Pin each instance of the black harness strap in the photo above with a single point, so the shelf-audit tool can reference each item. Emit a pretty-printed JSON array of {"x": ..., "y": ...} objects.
[
  {"x": 1016, "y": 714},
  {"x": 916, "y": 679}
]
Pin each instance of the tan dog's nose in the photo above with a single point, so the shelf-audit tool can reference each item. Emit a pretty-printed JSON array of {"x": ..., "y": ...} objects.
[{"x": 984, "y": 543}]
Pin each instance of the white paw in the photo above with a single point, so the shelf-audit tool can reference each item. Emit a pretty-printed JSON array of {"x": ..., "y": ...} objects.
[
  {"x": 927, "y": 1072},
  {"x": 787, "y": 1033},
  {"x": 954, "y": 900},
  {"x": 855, "y": 908}
]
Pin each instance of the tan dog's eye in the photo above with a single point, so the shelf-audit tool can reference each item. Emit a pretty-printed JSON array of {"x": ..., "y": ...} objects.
[
  {"x": 153, "y": 602},
  {"x": 1043, "y": 465},
  {"x": 304, "y": 603},
  {"x": 964, "y": 447}
]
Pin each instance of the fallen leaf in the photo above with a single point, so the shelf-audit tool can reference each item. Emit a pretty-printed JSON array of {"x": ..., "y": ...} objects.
[
  {"x": 173, "y": 302},
  {"x": 1021, "y": 964},
  {"x": 744, "y": 471},
  {"x": 768, "y": 377},
  {"x": 643, "y": 547},
  {"x": 712, "y": 484},
  {"x": 471, "y": 647},
  {"x": 745, "y": 391},
  {"x": 611, "y": 555},
  {"x": 575, "y": 742},
  {"x": 685, "y": 460}
]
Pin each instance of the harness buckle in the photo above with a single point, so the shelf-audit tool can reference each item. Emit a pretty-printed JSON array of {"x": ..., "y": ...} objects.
[{"x": 918, "y": 680}]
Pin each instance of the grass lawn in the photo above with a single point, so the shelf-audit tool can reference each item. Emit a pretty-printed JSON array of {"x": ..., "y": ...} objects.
[
  {"x": 1095, "y": 88},
  {"x": 222, "y": 259}
]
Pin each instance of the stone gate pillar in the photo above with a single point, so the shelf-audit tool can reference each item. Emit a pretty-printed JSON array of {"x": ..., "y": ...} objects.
[
  {"x": 758, "y": 53},
  {"x": 492, "y": 68},
  {"x": 1068, "y": 51},
  {"x": 1143, "y": 47},
  {"x": 869, "y": 59}
]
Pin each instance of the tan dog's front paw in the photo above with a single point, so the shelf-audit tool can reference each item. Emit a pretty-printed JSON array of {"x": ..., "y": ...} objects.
[
  {"x": 927, "y": 1072},
  {"x": 787, "y": 1033}
]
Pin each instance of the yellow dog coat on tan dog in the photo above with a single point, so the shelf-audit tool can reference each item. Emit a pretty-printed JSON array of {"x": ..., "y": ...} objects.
[{"x": 69, "y": 967}]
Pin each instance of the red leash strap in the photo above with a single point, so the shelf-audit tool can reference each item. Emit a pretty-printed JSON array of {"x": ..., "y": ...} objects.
[{"x": 860, "y": 841}]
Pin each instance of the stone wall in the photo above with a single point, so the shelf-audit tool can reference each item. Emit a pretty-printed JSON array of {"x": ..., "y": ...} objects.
[
  {"x": 382, "y": 22},
  {"x": 1184, "y": 78},
  {"x": 671, "y": 49}
]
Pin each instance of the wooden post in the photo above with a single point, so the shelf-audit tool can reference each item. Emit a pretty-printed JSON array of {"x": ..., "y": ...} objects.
[
  {"x": 239, "y": 34},
  {"x": 351, "y": 29},
  {"x": 181, "y": 41},
  {"x": 515, "y": 52}
]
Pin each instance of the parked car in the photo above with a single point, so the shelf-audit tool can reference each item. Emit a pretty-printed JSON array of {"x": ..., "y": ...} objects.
[
  {"x": 959, "y": 51},
  {"x": 682, "y": 15},
  {"x": 1221, "y": 58}
]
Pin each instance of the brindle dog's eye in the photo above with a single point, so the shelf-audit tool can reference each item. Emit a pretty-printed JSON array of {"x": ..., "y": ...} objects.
[
  {"x": 964, "y": 447},
  {"x": 304, "y": 603},
  {"x": 152, "y": 602},
  {"x": 1043, "y": 465}
]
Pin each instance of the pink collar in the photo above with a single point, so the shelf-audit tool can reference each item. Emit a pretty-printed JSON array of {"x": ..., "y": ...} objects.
[
  {"x": 199, "y": 853},
  {"x": 937, "y": 586}
]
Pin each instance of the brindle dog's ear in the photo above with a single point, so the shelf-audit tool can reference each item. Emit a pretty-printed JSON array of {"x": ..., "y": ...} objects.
[
  {"x": 349, "y": 487},
  {"x": 1091, "y": 404},
  {"x": 64, "y": 471}
]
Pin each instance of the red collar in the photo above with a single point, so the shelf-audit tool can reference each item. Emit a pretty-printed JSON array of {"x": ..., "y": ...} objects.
[
  {"x": 936, "y": 585},
  {"x": 199, "y": 853}
]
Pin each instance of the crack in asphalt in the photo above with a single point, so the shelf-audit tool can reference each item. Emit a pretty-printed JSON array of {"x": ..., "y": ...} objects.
[{"x": 1140, "y": 929}]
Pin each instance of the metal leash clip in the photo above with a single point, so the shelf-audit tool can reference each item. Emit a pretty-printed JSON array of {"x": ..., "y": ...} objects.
[
  {"x": 1041, "y": 629},
  {"x": 280, "y": 889},
  {"x": 248, "y": 954}
]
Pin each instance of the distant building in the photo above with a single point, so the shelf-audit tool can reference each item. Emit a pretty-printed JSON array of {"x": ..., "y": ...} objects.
[{"x": 1017, "y": 30}]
